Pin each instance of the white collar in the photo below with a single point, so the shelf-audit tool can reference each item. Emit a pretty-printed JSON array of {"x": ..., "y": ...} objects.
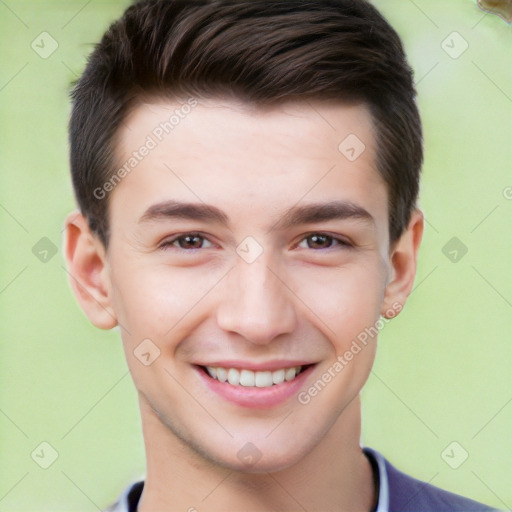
[{"x": 383, "y": 498}]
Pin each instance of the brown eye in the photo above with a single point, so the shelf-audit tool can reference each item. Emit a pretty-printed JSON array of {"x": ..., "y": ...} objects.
[
  {"x": 187, "y": 241},
  {"x": 318, "y": 241},
  {"x": 322, "y": 241},
  {"x": 190, "y": 242}
]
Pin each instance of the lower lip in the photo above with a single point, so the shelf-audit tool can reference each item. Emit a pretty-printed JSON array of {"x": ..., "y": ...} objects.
[{"x": 254, "y": 397}]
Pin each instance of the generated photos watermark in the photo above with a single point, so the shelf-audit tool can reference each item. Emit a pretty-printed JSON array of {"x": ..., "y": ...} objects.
[
  {"x": 343, "y": 360},
  {"x": 152, "y": 140}
]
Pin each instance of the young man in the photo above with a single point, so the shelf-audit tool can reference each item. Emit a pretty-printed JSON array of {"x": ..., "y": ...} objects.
[{"x": 247, "y": 175}]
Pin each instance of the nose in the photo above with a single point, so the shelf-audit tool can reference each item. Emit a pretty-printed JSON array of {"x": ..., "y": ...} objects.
[{"x": 256, "y": 303}]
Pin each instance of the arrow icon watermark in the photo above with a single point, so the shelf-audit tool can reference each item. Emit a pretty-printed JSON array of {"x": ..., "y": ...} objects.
[
  {"x": 147, "y": 352},
  {"x": 351, "y": 147},
  {"x": 249, "y": 249},
  {"x": 44, "y": 250},
  {"x": 454, "y": 249}
]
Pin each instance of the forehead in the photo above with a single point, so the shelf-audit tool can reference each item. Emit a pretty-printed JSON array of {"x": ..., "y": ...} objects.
[{"x": 242, "y": 157}]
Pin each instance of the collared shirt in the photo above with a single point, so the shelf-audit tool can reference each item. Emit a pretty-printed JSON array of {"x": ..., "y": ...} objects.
[
  {"x": 397, "y": 492},
  {"x": 381, "y": 477}
]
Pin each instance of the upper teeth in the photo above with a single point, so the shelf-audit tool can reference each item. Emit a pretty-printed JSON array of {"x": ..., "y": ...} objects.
[{"x": 252, "y": 379}]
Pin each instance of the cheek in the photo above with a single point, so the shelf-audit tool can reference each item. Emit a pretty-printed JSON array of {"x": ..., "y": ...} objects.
[
  {"x": 156, "y": 301},
  {"x": 345, "y": 300}
]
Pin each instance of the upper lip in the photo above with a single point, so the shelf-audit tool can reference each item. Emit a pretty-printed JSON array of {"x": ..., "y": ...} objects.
[{"x": 262, "y": 366}]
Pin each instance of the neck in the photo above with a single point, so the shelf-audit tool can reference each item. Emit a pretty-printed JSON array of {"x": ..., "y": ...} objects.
[{"x": 334, "y": 476}]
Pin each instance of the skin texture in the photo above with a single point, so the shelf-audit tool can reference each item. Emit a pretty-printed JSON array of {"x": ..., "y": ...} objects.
[{"x": 301, "y": 299}]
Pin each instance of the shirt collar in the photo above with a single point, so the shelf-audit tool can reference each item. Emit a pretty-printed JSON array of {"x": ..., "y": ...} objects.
[{"x": 380, "y": 463}]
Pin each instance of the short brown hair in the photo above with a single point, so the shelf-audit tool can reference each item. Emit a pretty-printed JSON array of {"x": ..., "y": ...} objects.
[{"x": 261, "y": 51}]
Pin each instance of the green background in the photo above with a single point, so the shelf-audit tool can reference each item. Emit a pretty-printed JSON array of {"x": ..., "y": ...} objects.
[{"x": 442, "y": 374}]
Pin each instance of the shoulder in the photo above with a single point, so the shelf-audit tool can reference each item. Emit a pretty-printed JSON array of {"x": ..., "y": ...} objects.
[{"x": 407, "y": 494}]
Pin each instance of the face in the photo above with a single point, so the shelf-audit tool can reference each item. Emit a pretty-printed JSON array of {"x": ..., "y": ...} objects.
[{"x": 249, "y": 252}]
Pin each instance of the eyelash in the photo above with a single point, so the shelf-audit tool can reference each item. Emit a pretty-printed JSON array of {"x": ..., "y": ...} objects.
[
  {"x": 170, "y": 243},
  {"x": 340, "y": 242}
]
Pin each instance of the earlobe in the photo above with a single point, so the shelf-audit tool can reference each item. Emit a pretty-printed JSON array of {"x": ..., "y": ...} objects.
[
  {"x": 86, "y": 264},
  {"x": 403, "y": 260}
]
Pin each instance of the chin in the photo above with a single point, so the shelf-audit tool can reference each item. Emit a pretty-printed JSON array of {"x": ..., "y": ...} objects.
[
  {"x": 261, "y": 456},
  {"x": 269, "y": 463}
]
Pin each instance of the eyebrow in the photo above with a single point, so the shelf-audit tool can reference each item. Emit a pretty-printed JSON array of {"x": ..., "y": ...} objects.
[
  {"x": 322, "y": 212},
  {"x": 191, "y": 211},
  {"x": 296, "y": 215}
]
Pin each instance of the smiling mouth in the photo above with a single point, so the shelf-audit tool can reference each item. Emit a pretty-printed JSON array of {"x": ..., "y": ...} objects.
[{"x": 254, "y": 379}]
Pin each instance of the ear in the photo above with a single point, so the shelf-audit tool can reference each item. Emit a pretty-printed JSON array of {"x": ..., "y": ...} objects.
[
  {"x": 403, "y": 260},
  {"x": 86, "y": 261}
]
